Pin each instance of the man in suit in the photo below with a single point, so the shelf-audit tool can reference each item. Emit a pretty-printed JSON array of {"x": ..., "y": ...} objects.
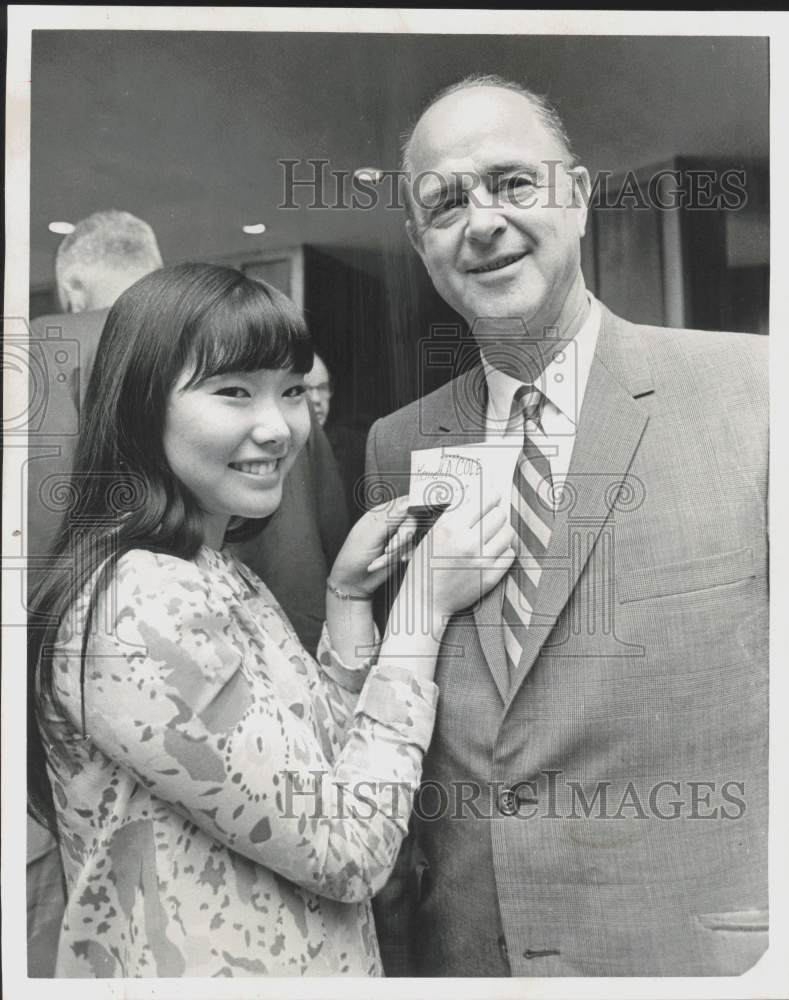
[
  {"x": 104, "y": 254},
  {"x": 594, "y": 799}
]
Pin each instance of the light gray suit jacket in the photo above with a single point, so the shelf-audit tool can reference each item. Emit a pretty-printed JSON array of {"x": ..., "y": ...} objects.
[{"x": 620, "y": 780}]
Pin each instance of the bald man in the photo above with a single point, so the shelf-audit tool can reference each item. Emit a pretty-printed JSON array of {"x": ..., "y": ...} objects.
[
  {"x": 594, "y": 799},
  {"x": 105, "y": 254}
]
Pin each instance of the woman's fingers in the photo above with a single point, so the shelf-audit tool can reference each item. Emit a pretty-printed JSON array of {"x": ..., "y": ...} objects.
[
  {"x": 393, "y": 511},
  {"x": 388, "y": 516},
  {"x": 404, "y": 533},
  {"x": 398, "y": 543}
]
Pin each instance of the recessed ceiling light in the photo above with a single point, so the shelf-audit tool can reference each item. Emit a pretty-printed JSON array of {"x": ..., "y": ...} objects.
[
  {"x": 257, "y": 229},
  {"x": 371, "y": 174},
  {"x": 61, "y": 228}
]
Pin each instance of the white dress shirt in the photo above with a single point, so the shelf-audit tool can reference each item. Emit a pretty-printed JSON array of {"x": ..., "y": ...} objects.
[{"x": 563, "y": 383}]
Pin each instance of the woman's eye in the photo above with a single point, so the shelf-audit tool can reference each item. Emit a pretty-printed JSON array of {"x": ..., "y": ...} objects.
[
  {"x": 294, "y": 391},
  {"x": 233, "y": 391}
]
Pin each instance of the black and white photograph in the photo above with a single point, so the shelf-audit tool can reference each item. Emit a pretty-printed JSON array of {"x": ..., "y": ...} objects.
[{"x": 387, "y": 494}]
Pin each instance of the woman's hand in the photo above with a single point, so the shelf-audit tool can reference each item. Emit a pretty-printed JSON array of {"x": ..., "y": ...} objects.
[
  {"x": 466, "y": 552},
  {"x": 374, "y": 546}
]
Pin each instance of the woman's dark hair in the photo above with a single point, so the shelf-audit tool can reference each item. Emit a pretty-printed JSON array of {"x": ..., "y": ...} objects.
[{"x": 121, "y": 494}]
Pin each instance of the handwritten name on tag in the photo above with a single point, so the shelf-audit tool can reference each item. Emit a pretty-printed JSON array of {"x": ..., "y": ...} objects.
[{"x": 449, "y": 476}]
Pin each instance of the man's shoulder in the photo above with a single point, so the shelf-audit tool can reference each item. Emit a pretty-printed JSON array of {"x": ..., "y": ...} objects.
[
  {"x": 708, "y": 340},
  {"x": 81, "y": 330},
  {"x": 699, "y": 355},
  {"x": 411, "y": 417},
  {"x": 78, "y": 334},
  {"x": 718, "y": 342},
  {"x": 66, "y": 325}
]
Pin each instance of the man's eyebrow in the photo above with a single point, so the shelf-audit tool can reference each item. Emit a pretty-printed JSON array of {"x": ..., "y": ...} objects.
[
  {"x": 467, "y": 178},
  {"x": 516, "y": 166},
  {"x": 433, "y": 195}
]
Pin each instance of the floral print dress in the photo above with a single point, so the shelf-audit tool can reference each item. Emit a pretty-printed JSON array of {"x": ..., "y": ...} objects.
[{"x": 233, "y": 804}]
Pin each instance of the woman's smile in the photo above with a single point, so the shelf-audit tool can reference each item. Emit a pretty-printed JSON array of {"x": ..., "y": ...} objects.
[
  {"x": 231, "y": 439},
  {"x": 258, "y": 468}
]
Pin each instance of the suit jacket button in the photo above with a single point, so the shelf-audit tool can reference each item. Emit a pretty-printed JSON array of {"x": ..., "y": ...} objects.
[
  {"x": 540, "y": 952},
  {"x": 508, "y": 802}
]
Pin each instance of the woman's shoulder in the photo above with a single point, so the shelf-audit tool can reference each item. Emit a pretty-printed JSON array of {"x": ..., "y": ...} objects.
[
  {"x": 156, "y": 565},
  {"x": 152, "y": 599},
  {"x": 158, "y": 585},
  {"x": 143, "y": 596},
  {"x": 141, "y": 572}
]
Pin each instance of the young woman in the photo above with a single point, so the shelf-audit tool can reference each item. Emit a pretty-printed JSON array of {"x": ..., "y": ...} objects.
[{"x": 225, "y": 804}]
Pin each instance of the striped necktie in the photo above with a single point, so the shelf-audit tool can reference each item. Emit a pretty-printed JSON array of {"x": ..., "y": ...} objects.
[{"x": 532, "y": 520}]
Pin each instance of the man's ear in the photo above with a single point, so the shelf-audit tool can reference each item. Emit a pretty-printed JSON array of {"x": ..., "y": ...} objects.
[
  {"x": 415, "y": 239},
  {"x": 581, "y": 188},
  {"x": 73, "y": 295}
]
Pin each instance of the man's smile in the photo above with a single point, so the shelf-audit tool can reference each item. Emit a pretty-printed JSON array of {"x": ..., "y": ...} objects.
[{"x": 498, "y": 264}]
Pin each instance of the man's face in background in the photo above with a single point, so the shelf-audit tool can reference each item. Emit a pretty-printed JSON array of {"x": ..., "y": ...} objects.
[{"x": 319, "y": 389}]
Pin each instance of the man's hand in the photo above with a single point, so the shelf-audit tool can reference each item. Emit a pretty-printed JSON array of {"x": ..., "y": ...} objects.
[{"x": 466, "y": 552}]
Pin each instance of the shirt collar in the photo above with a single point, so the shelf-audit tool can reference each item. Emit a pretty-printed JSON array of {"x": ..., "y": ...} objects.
[{"x": 566, "y": 391}]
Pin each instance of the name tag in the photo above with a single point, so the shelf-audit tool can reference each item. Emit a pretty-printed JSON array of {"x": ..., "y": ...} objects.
[{"x": 449, "y": 476}]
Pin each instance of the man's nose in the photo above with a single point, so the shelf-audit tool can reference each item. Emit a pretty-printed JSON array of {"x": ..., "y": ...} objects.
[{"x": 484, "y": 219}]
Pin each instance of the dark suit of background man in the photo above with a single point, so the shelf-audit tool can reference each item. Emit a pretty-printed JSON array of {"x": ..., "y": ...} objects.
[
  {"x": 105, "y": 254},
  {"x": 620, "y": 758}
]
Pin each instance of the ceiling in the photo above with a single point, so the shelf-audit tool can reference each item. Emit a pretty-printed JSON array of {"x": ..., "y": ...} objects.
[{"x": 185, "y": 129}]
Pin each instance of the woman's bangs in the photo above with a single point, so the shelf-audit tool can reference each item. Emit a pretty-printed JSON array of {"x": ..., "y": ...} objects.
[{"x": 247, "y": 331}]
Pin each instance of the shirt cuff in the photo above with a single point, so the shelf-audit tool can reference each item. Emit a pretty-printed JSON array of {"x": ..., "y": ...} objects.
[
  {"x": 350, "y": 678},
  {"x": 395, "y": 697}
]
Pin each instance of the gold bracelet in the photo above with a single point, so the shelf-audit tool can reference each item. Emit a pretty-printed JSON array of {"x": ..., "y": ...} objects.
[{"x": 343, "y": 595}]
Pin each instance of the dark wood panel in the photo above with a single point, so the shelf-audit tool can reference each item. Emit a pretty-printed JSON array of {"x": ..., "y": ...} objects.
[{"x": 630, "y": 263}]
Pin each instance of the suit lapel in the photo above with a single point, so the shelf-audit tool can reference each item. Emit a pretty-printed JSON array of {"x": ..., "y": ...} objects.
[
  {"x": 610, "y": 428},
  {"x": 488, "y": 622}
]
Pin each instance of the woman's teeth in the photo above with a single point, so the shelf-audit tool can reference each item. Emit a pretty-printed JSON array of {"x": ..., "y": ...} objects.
[{"x": 256, "y": 468}]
